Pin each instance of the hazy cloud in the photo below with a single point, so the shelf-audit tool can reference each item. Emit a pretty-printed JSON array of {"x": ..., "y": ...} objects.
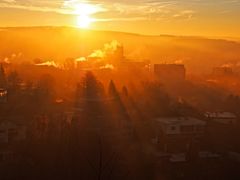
[
  {"x": 128, "y": 9},
  {"x": 123, "y": 10}
]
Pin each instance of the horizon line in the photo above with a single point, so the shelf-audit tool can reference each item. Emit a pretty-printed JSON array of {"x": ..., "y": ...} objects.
[{"x": 125, "y": 32}]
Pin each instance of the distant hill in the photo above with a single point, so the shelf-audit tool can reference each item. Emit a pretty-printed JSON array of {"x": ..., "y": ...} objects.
[{"x": 200, "y": 54}]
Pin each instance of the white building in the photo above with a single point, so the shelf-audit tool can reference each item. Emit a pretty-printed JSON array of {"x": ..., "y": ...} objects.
[
  {"x": 222, "y": 117},
  {"x": 181, "y": 126}
]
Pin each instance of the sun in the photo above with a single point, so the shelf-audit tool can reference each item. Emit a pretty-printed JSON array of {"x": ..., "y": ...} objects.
[
  {"x": 84, "y": 21},
  {"x": 84, "y": 12}
]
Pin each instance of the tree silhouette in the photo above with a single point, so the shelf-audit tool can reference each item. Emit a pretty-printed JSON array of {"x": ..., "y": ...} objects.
[
  {"x": 112, "y": 90},
  {"x": 90, "y": 87}
]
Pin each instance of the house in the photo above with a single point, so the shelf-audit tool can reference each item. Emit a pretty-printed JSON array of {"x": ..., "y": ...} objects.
[
  {"x": 181, "y": 126},
  {"x": 178, "y": 134}
]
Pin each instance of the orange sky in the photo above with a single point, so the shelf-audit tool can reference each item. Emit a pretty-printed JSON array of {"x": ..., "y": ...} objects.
[{"x": 218, "y": 18}]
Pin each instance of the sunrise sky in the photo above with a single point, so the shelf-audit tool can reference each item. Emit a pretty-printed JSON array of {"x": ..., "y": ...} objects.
[{"x": 153, "y": 17}]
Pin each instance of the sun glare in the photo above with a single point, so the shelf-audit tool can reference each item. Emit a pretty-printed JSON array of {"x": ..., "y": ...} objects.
[
  {"x": 84, "y": 21},
  {"x": 84, "y": 12}
]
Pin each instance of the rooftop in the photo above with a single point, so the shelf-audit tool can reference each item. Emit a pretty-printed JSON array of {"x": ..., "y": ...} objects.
[
  {"x": 181, "y": 121},
  {"x": 220, "y": 115}
]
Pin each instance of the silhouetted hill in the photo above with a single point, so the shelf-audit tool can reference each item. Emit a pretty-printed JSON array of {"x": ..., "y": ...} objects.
[{"x": 20, "y": 44}]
